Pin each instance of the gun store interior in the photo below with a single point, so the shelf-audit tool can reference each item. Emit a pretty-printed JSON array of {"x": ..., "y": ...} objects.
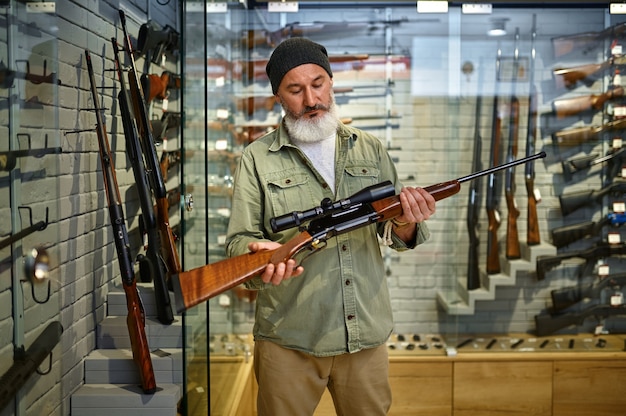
[{"x": 131, "y": 177}]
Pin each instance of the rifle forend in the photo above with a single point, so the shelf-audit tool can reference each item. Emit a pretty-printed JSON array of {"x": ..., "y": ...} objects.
[{"x": 366, "y": 207}]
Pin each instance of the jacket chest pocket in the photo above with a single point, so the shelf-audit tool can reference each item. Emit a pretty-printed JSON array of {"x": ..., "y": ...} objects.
[
  {"x": 290, "y": 193},
  {"x": 362, "y": 176}
]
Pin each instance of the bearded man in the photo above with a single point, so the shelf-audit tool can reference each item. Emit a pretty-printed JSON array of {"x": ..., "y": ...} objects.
[{"x": 324, "y": 323}]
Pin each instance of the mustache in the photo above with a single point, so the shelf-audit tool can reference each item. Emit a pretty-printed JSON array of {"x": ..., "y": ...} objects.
[{"x": 316, "y": 107}]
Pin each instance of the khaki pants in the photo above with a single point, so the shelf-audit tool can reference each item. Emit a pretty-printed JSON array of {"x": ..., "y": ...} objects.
[{"x": 291, "y": 382}]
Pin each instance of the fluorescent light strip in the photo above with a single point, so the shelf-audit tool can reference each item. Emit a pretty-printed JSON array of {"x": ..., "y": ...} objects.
[{"x": 432, "y": 6}]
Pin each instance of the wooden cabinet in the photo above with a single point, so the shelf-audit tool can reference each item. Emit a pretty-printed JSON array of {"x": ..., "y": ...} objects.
[{"x": 495, "y": 384}]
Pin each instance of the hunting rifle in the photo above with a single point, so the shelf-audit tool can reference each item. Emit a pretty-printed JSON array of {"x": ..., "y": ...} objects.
[
  {"x": 564, "y": 297},
  {"x": 579, "y": 135},
  {"x": 588, "y": 73},
  {"x": 376, "y": 203},
  {"x": 136, "y": 317},
  {"x": 26, "y": 362},
  {"x": 169, "y": 250},
  {"x": 473, "y": 203},
  {"x": 492, "y": 199},
  {"x": 513, "y": 250},
  {"x": 532, "y": 230}
]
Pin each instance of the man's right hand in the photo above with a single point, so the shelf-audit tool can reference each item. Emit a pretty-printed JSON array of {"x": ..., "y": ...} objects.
[{"x": 276, "y": 273}]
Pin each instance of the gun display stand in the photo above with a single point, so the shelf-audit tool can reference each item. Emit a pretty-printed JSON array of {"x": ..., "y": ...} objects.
[
  {"x": 457, "y": 300},
  {"x": 111, "y": 378}
]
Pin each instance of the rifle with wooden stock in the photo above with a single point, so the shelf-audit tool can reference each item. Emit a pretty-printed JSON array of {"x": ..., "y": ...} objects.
[
  {"x": 512, "y": 248},
  {"x": 576, "y": 105},
  {"x": 587, "y": 74},
  {"x": 579, "y": 135},
  {"x": 136, "y": 317},
  {"x": 374, "y": 204},
  {"x": 532, "y": 230},
  {"x": 494, "y": 182},
  {"x": 169, "y": 252},
  {"x": 151, "y": 266}
]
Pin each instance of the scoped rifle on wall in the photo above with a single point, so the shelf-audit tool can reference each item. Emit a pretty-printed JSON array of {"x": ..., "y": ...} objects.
[
  {"x": 473, "y": 204},
  {"x": 494, "y": 183},
  {"x": 572, "y": 201},
  {"x": 579, "y": 135},
  {"x": 585, "y": 42},
  {"x": 597, "y": 252},
  {"x": 377, "y": 203},
  {"x": 151, "y": 265},
  {"x": 169, "y": 252},
  {"x": 533, "y": 236},
  {"x": 26, "y": 362},
  {"x": 512, "y": 249},
  {"x": 547, "y": 324},
  {"x": 587, "y": 74},
  {"x": 136, "y": 318},
  {"x": 577, "y": 105},
  {"x": 563, "y": 236},
  {"x": 565, "y": 297}
]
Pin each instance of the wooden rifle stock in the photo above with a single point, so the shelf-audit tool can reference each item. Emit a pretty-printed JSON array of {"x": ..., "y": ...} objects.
[
  {"x": 135, "y": 319},
  {"x": 195, "y": 286},
  {"x": 576, "y": 105}
]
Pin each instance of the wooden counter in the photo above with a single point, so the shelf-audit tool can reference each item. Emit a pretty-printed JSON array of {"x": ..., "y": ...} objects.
[{"x": 568, "y": 382}]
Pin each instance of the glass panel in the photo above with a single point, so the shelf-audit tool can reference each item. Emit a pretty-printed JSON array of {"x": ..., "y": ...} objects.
[{"x": 430, "y": 86}]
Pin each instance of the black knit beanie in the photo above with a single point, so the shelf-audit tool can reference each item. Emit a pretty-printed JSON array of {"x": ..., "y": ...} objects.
[{"x": 294, "y": 52}]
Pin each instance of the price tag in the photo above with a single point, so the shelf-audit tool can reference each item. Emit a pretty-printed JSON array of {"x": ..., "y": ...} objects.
[
  {"x": 617, "y": 143},
  {"x": 623, "y": 175},
  {"x": 616, "y": 50},
  {"x": 603, "y": 270},
  {"x": 619, "y": 207},
  {"x": 165, "y": 104},
  {"x": 537, "y": 194},
  {"x": 617, "y": 299},
  {"x": 613, "y": 238},
  {"x": 222, "y": 113}
]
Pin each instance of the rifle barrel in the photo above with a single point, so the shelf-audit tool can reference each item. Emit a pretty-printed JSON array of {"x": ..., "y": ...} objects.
[{"x": 507, "y": 165}]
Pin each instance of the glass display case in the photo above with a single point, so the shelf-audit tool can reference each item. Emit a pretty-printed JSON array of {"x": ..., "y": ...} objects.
[{"x": 448, "y": 94}]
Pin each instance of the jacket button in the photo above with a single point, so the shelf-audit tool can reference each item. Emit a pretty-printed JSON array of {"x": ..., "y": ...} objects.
[{"x": 350, "y": 317}]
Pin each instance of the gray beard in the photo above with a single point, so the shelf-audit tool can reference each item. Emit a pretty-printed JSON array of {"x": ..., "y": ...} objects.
[{"x": 307, "y": 130}]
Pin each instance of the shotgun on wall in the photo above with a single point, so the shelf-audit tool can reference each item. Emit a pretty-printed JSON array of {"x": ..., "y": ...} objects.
[
  {"x": 473, "y": 204},
  {"x": 136, "y": 316},
  {"x": 377, "y": 203}
]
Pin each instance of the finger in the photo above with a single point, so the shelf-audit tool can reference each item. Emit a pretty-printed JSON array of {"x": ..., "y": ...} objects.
[{"x": 266, "y": 277}]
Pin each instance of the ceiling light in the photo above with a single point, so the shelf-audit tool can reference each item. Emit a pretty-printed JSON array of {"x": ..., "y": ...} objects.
[{"x": 498, "y": 27}]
